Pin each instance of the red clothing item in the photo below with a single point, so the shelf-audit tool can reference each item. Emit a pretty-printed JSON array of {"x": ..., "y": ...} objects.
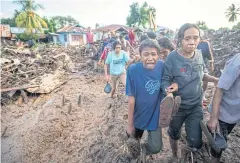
[
  {"x": 104, "y": 54},
  {"x": 89, "y": 37},
  {"x": 131, "y": 38}
]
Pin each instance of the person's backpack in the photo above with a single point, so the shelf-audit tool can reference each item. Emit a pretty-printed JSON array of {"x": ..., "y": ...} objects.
[{"x": 107, "y": 88}]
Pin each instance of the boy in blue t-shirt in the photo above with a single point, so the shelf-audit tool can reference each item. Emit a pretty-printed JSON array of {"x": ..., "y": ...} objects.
[{"x": 144, "y": 96}]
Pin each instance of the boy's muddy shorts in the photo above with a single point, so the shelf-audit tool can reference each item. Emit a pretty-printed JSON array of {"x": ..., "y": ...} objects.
[
  {"x": 192, "y": 118},
  {"x": 114, "y": 79},
  {"x": 154, "y": 143},
  {"x": 225, "y": 129}
]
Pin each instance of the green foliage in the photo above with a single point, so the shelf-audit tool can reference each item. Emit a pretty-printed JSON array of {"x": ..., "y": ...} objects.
[
  {"x": 232, "y": 13},
  {"x": 202, "y": 25},
  {"x": 27, "y": 36},
  {"x": 141, "y": 16},
  {"x": 52, "y": 25},
  {"x": 61, "y": 21},
  {"x": 236, "y": 27},
  {"x": 97, "y": 25},
  {"x": 224, "y": 28},
  {"x": 133, "y": 18},
  {"x": 26, "y": 4},
  {"x": 11, "y": 21},
  {"x": 28, "y": 19}
]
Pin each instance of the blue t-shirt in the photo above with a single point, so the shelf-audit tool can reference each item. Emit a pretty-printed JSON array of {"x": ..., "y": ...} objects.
[
  {"x": 205, "y": 49},
  {"x": 144, "y": 85},
  {"x": 117, "y": 62}
]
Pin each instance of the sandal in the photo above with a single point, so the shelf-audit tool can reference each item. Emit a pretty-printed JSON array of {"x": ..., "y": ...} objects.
[
  {"x": 216, "y": 140},
  {"x": 166, "y": 109}
]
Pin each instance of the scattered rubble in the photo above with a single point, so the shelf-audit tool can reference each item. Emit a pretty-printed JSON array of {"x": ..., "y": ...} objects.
[
  {"x": 224, "y": 47},
  {"x": 39, "y": 70}
]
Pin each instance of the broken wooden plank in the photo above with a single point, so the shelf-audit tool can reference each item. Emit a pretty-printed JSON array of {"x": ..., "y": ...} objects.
[{"x": 18, "y": 88}]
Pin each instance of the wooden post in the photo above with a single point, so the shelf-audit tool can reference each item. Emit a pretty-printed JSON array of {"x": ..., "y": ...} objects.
[
  {"x": 79, "y": 100},
  {"x": 63, "y": 100},
  {"x": 70, "y": 108},
  {"x": 24, "y": 95}
]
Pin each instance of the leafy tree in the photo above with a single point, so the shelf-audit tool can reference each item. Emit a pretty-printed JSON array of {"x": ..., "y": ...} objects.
[
  {"x": 28, "y": 19},
  {"x": 232, "y": 13},
  {"x": 202, "y": 25},
  {"x": 97, "y": 25},
  {"x": 236, "y": 27},
  {"x": 51, "y": 24},
  {"x": 144, "y": 18},
  {"x": 224, "y": 28},
  {"x": 26, "y": 4},
  {"x": 27, "y": 36},
  {"x": 10, "y": 21},
  {"x": 133, "y": 18},
  {"x": 141, "y": 16},
  {"x": 61, "y": 21}
]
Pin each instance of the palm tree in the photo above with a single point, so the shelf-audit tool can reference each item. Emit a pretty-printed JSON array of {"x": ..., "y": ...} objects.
[
  {"x": 232, "y": 13},
  {"x": 201, "y": 23},
  {"x": 30, "y": 20},
  {"x": 152, "y": 17},
  {"x": 28, "y": 4},
  {"x": 97, "y": 25}
]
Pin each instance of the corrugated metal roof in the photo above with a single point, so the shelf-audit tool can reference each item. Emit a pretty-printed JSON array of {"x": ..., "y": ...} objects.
[
  {"x": 72, "y": 28},
  {"x": 17, "y": 30},
  {"x": 115, "y": 27}
]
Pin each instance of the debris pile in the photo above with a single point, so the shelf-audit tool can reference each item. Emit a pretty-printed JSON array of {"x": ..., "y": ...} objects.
[
  {"x": 224, "y": 47},
  {"x": 39, "y": 70}
]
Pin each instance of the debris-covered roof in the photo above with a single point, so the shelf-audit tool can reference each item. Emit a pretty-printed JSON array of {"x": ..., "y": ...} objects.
[
  {"x": 72, "y": 28},
  {"x": 115, "y": 27}
]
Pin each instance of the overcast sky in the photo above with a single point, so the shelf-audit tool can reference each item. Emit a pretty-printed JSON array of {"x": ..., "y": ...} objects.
[{"x": 170, "y": 13}]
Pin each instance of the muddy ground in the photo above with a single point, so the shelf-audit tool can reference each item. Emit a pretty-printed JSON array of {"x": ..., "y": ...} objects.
[{"x": 49, "y": 130}]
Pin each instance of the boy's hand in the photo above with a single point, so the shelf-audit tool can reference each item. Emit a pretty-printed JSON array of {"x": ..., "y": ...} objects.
[{"x": 172, "y": 88}]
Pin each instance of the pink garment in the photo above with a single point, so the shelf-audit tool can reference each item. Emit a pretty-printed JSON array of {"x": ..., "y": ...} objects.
[
  {"x": 104, "y": 54},
  {"x": 89, "y": 37},
  {"x": 131, "y": 38}
]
